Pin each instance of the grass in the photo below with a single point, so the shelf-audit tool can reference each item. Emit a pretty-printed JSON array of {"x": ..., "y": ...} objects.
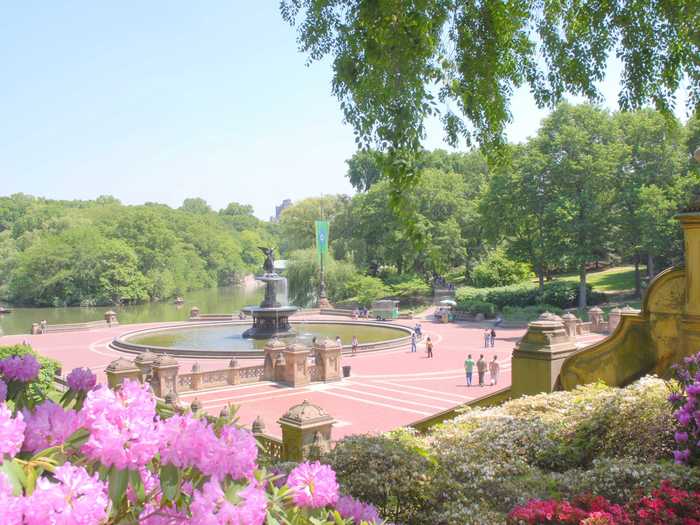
[{"x": 612, "y": 280}]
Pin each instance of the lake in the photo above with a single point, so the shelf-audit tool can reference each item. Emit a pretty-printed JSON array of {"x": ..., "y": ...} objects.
[{"x": 215, "y": 300}]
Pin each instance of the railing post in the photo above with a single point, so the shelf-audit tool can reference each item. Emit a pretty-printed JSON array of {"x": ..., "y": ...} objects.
[
  {"x": 119, "y": 370},
  {"x": 144, "y": 361},
  {"x": 111, "y": 317},
  {"x": 614, "y": 319},
  {"x": 273, "y": 349},
  {"x": 194, "y": 312},
  {"x": 164, "y": 380},
  {"x": 306, "y": 432},
  {"x": 539, "y": 355},
  {"x": 196, "y": 376},
  {"x": 234, "y": 372},
  {"x": 328, "y": 358},
  {"x": 296, "y": 368}
]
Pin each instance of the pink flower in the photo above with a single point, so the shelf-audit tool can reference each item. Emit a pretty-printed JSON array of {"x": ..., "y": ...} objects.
[
  {"x": 11, "y": 432},
  {"x": 210, "y": 506},
  {"x": 48, "y": 425},
  {"x": 11, "y": 507},
  {"x": 122, "y": 428},
  {"x": 234, "y": 454},
  {"x": 81, "y": 380},
  {"x": 77, "y": 499},
  {"x": 187, "y": 442},
  {"x": 20, "y": 368},
  {"x": 313, "y": 485},
  {"x": 152, "y": 515},
  {"x": 3, "y": 391},
  {"x": 349, "y": 507}
]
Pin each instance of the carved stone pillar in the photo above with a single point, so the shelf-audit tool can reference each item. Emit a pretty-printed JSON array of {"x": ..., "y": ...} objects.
[
  {"x": 111, "y": 317},
  {"x": 234, "y": 372},
  {"x": 296, "y": 368},
  {"x": 194, "y": 312},
  {"x": 273, "y": 349},
  {"x": 306, "y": 432},
  {"x": 119, "y": 370},
  {"x": 196, "y": 376},
  {"x": 595, "y": 315},
  {"x": 538, "y": 357},
  {"x": 570, "y": 322},
  {"x": 144, "y": 361},
  {"x": 328, "y": 358},
  {"x": 614, "y": 319},
  {"x": 164, "y": 380}
]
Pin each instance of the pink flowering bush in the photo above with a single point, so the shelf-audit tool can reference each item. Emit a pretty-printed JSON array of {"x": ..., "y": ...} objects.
[
  {"x": 108, "y": 457},
  {"x": 685, "y": 400}
]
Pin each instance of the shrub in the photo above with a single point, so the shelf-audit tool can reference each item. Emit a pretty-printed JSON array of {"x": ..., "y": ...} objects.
[
  {"x": 411, "y": 291},
  {"x": 528, "y": 313},
  {"x": 562, "y": 294},
  {"x": 477, "y": 307},
  {"x": 391, "y": 472},
  {"x": 38, "y": 390},
  {"x": 496, "y": 269}
]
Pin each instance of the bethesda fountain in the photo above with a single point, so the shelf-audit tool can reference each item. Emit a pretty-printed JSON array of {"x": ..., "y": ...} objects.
[{"x": 271, "y": 318}]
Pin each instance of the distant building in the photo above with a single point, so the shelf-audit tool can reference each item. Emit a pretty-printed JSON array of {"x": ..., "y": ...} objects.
[{"x": 286, "y": 203}]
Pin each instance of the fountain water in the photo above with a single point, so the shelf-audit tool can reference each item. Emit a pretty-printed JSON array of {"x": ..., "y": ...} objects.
[{"x": 271, "y": 318}]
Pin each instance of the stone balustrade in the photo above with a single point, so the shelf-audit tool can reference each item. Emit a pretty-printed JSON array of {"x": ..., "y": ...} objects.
[{"x": 288, "y": 364}]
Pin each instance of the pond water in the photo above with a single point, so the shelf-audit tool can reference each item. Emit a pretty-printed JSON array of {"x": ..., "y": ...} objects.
[
  {"x": 215, "y": 300},
  {"x": 228, "y": 337}
]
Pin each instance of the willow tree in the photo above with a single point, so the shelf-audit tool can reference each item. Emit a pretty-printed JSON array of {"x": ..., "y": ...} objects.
[{"x": 398, "y": 62}]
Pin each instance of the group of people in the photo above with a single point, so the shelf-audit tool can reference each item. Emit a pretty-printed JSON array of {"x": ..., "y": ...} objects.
[
  {"x": 489, "y": 338},
  {"x": 360, "y": 313},
  {"x": 353, "y": 344},
  {"x": 481, "y": 367}
]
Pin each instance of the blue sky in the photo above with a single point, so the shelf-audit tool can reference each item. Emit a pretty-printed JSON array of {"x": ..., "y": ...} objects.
[{"x": 159, "y": 101}]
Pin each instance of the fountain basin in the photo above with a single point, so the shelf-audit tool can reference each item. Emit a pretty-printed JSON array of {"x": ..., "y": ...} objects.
[{"x": 225, "y": 339}]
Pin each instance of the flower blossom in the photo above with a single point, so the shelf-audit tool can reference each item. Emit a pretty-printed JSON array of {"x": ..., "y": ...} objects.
[
  {"x": 210, "y": 506},
  {"x": 11, "y": 507},
  {"x": 349, "y": 507},
  {"x": 121, "y": 424},
  {"x": 20, "y": 368},
  {"x": 313, "y": 485},
  {"x": 81, "y": 380},
  {"x": 681, "y": 437},
  {"x": 49, "y": 425},
  {"x": 3, "y": 391},
  {"x": 186, "y": 442},
  {"x": 234, "y": 454},
  {"x": 11, "y": 432},
  {"x": 77, "y": 499}
]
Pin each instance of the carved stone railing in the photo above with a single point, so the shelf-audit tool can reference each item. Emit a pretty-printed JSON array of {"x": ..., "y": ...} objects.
[
  {"x": 184, "y": 382},
  {"x": 272, "y": 447},
  {"x": 251, "y": 374},
  {"x": 214, "y": 378},
  {"x": 315, "y": 373}
]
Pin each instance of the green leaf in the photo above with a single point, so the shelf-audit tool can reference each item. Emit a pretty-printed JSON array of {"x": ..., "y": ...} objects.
[
  {"x": 170, "y": 481},
  {"x": 118, "y": 482},
  {"x": 137, "y": 484},
  {"x": 15, "y": 475}
]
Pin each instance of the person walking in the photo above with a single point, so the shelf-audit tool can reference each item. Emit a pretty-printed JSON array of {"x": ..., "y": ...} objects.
[
  {"x": 338, "y": 342},
  {"x": 487, "y": 338},
  {"x": 354, "y": 345},
  {"x": 469, "y": 369},
  {"x": 429, "y": 347},
  {"x": 414, "y": 342},
  {"x": 481, "y": 369},
  {"x": 493, "y": 337},
  {"x": 494, "y": 368}
]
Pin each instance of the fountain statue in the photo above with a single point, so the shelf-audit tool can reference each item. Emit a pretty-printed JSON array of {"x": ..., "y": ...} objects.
[{"x": 271, "y": 318}]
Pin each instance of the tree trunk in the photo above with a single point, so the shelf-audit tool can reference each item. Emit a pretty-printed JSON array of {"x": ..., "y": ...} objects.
[
  {"x": 637, "y": 277},
  {"x": 540, "y": 278},
  {"x": 582, "y": 300},
  {"x": 650, "y": 266}
]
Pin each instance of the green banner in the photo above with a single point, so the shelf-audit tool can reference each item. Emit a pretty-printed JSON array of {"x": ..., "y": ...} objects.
[{"x": 322, "y": 238}]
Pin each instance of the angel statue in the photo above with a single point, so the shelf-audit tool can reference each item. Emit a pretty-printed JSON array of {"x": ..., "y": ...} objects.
[{"x": 269, "y": 264}]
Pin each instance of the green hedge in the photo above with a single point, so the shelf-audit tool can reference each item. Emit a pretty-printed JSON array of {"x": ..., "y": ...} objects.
[
  {"x": 562, "y": 294},
  {"x": 40, "y": 388},
  {"x": 477, "y": 307}
]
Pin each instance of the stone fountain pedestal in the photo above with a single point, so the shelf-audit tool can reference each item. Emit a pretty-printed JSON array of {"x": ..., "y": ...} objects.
[{"x": 270, "y": 319}]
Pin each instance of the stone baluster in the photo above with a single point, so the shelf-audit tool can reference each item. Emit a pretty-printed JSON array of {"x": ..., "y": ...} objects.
[
  {"x": 274, "y": 349},
  {"x": 614, "y": 319},
  {"x": 234, "y": 372},
  {"x": 570, "y": 322},
  {"x": 164, "y": 380},
  {"x": 196, "y": 376},
  {"x": 111, "y": 317},
  {"x": 328, "y": 358},
  {"x": 296, "y": 368},
  {"x": 119, "y": 370}
]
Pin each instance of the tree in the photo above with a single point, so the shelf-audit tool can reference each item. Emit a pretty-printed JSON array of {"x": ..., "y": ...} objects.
[
  {"x": 297, "y": 223},
  {"x": 240, "y": 216},
  {"x": 395, "y": 62},
  {"x": 653, "y": 158},
  {"x": 303, "y": 275},
  {"x": 364, "y": 169},
  {"x": 582, "y": 154},
  {"x": 368, "y": 289},
  {"x": 195, "y": 205}
]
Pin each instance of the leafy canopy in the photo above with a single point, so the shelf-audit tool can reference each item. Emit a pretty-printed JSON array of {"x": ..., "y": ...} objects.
[{"x": 398, "y": 62}]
